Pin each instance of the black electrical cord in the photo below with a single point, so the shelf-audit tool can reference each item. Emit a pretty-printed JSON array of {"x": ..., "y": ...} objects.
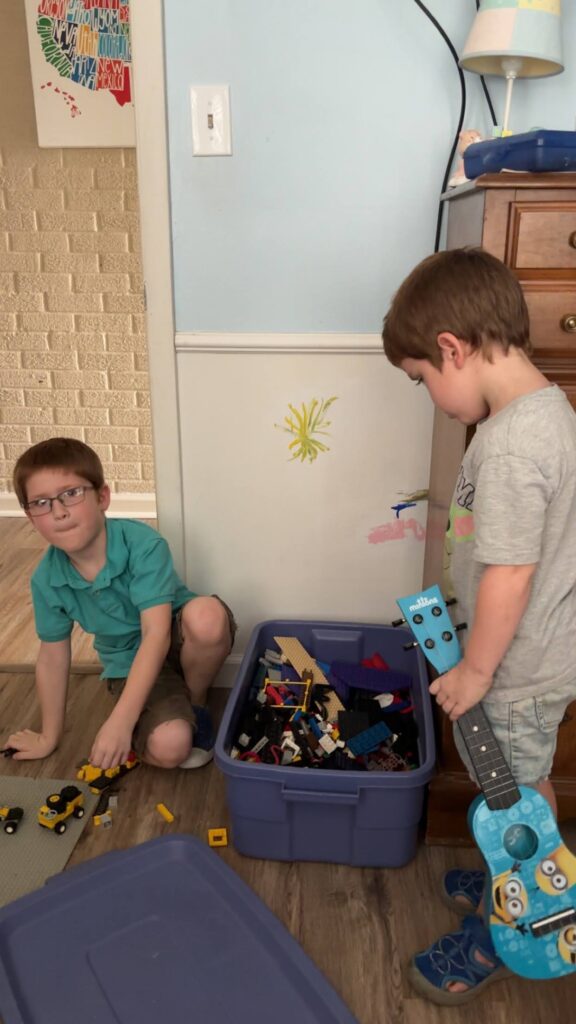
[
  {"x": 450, "y": 46},
  {"x": 452, "y": 49}
]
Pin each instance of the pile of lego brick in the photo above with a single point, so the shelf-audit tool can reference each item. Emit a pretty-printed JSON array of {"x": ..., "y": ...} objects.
[{"x": 310, "y": 714}]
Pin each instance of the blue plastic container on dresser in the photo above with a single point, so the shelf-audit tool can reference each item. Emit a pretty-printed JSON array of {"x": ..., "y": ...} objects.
[
  {"x": 363, "y": 819},
  {"x": 540, "y": 150}
]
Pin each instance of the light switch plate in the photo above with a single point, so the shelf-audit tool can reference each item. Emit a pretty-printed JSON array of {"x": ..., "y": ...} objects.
[{"x": 211, "y": 135}]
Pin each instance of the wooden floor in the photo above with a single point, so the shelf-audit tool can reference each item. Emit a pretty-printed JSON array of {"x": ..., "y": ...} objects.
[{"x": 360, "y": 926}]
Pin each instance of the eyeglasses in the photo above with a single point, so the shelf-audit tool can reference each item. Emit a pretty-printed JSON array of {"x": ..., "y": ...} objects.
[{"x": 71, "y": 496}]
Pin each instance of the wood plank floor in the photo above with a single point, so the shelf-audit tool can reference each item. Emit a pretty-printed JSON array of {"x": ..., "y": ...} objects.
[{"x": 360, "y": 926}]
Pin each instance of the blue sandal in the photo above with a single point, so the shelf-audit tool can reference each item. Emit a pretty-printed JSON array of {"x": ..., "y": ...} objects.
[
  {"x": 462, "y": 890},
  {"x": 452, "y": 958}
]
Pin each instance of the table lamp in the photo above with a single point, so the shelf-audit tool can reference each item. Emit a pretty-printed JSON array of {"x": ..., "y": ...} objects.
[{"x": 514, "y": 39}]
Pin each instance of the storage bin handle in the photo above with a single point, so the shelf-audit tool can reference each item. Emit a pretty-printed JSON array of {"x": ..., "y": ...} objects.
[
  {"x": 572, "y": 240},
  {"x": 314, "y": 796},
  {"x": 568, "y": 323}
]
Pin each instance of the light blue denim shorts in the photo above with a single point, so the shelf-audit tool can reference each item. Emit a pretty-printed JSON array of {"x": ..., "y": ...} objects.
[{"x": 527, "y": 731}]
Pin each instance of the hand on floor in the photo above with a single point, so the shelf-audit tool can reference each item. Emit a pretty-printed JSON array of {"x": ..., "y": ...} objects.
[{"x": 29, "y": 745}]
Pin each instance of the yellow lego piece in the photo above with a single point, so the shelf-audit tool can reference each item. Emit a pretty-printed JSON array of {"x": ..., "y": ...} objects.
[
  {"x": 217, "y": 837},
  {"x": 105, "y": 819},
  {"x": 166, "y": 814},
  {"x": 299, "y": 658}
]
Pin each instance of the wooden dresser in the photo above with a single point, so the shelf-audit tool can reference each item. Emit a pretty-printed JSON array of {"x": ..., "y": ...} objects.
[{"x": 529, "y": 222}]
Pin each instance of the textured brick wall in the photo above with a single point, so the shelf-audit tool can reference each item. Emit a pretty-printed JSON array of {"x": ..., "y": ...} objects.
[{"x": 72, "y": 332}]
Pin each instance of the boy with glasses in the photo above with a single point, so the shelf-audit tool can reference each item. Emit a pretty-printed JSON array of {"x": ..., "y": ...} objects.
[{"x": 160, "y": 644}]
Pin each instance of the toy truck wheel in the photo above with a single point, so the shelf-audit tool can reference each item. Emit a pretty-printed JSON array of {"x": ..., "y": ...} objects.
[
  {"x": 60, "y": 827},
  {"x": 78, "y": 812},
  {"x": 10, "y": 828}
]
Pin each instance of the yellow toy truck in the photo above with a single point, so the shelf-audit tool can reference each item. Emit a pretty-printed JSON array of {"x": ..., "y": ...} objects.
[
  {"x": 60, "y": 806},
  {"x": 11, "y": 818},
  {"x": 100, "y": 778}
]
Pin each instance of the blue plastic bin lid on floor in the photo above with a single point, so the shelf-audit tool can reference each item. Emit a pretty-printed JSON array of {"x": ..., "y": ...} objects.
[{"x": 164, "y": 931}]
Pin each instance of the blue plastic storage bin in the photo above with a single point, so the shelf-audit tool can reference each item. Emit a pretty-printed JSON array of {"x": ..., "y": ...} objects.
[
  {"x": 364, "y": 819},
  {"x": 164, "y": 931},
  {"x": 541, "y": 150}
]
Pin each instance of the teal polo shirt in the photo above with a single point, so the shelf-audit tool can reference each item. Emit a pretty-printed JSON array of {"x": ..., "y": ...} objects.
[{"x": 138, "y": 574}]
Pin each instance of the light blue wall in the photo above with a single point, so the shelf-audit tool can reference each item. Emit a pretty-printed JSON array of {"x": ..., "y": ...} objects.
[{"x": 343, "y": 112}]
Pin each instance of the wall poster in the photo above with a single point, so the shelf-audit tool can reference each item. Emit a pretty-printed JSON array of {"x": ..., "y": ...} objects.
[{"x": 81, "y": 61}]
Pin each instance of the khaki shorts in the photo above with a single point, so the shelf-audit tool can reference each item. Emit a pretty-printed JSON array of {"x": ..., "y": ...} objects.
[{"x": 169, "y": 697}]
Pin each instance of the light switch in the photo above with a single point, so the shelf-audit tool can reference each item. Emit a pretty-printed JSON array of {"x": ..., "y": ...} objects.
[{"x": 211, "y": 134}]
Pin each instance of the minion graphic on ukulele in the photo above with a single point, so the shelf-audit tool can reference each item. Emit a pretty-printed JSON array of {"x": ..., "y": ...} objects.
[
  {"x": 557, "y": 872},
  {"x": 509, "y": 899},
  {"x": 567, "y": 944}
]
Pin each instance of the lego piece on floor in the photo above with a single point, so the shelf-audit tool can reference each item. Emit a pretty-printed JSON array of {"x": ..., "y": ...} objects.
[
  {"x": 298, "y": 656},
  {"x": 103, "y": 820},
  {"x": 102, "y": 809},
  {"x": 100, "y": 778},
  {"x": 217, "y": 837},
  {"x": 166, "y": 814}
]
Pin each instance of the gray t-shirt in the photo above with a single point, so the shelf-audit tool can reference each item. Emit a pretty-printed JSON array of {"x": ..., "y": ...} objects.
[{"x": 515, "y": 504}]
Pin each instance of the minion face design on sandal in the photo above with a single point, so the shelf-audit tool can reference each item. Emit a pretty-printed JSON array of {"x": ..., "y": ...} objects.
[
  {"x": 557, "y": 872},
  {"x": 509, "y": 899}
]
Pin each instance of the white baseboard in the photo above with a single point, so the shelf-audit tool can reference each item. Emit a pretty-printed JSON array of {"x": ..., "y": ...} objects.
[{"x": 123, "y": 506}]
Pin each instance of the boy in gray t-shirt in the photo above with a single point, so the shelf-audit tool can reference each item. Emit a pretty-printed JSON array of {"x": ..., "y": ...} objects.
[{"x": 459, "y": 324}]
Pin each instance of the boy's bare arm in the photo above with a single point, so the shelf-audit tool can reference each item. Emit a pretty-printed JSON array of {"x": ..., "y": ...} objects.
[
  {"x": 52, "y": 674},
  {"x": 502, "y": 599},
  {"x": 114, "y": 740}
]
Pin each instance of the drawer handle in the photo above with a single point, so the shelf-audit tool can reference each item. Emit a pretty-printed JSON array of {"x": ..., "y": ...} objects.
[
  {"x": 572, "y": 240},
  {"x": 568, "y": 323}
]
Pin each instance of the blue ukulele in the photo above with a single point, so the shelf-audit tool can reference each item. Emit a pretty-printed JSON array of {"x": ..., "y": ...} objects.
[{"x": 532, "y": 873}]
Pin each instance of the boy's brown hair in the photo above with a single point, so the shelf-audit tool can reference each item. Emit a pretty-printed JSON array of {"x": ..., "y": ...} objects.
[
  {"x": 466, "y": 292},
  {"x": 57, "y": 453}
]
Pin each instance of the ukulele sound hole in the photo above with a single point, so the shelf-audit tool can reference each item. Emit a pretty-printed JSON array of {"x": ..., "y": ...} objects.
[{"x": 520, "y": 841}]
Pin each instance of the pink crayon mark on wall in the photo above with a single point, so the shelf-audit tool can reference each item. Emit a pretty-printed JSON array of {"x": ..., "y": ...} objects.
[{"x": 397, "y": 529}]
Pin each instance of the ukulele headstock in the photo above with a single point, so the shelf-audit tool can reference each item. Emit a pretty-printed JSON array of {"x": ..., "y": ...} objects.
[{"x": 426, "y": 614}]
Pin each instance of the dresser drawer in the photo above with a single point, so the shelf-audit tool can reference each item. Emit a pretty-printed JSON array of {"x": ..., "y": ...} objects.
[
  {"x": 542, "y": 236},
  {"x": 552, "y": 316}
]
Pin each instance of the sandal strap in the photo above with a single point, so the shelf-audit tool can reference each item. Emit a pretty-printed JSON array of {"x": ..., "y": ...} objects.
[
  {"x": 466, "y": 883},
  {"x": 452, "y": 958}
]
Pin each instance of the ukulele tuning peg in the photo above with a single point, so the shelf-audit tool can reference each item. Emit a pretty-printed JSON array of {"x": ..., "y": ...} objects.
[
  {"x": 410, "y": 647},
  {"x": 398, "y": 622},
  {"x": 450, "y": 602},
  {"x": 460, "y": 626}
]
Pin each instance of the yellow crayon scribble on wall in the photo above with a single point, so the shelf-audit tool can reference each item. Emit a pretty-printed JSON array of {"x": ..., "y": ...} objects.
[{"x": 305, "y": 424}]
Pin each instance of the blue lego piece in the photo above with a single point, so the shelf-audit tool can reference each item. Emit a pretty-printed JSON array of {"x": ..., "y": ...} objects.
[
  {"x": 314, "y": 727},
  {"x": 368, "y": 740},
  {"x": 339, "y": 687}
]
